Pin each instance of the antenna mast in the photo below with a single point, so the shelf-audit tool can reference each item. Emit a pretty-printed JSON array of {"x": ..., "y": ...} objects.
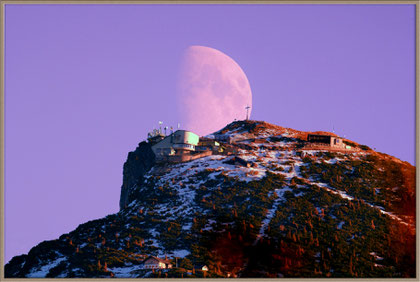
[
  {"x": 160, "y": 126},
  {"x": 247, "y": 109}
]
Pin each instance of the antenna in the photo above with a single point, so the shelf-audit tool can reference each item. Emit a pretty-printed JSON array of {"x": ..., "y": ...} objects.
[{"x": 247, "y": 109}]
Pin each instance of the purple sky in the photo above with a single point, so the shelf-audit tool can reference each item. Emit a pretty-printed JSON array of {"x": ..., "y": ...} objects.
[{"x": 85, "y": 83}]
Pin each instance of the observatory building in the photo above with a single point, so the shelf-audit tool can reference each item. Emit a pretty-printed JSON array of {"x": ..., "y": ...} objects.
[
  {"x": 183, "y": 146},
  {"x": 177, "y": 143}
]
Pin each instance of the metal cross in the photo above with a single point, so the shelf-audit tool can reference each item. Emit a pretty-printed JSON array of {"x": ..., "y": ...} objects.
[{"x": 247, "y": 109}]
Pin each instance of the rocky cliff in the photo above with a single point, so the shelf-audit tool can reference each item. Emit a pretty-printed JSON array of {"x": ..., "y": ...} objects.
[{"x": 138, "y": 163}]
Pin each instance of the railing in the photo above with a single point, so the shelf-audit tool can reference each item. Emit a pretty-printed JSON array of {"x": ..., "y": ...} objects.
[{"x": 182, "y": 157}]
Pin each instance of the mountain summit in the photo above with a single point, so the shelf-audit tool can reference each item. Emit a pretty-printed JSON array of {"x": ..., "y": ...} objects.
[{"x": 253, "y": 200}]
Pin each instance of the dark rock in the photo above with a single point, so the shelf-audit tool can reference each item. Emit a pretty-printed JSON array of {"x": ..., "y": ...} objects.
[
  {"x": 14, "y": 267},
  {"x": 137, "y": 165}
]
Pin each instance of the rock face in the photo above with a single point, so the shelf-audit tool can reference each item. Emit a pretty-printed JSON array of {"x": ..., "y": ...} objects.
[
  {"x": 137, "y": 165},
  {"x": 292, "y": 212}
]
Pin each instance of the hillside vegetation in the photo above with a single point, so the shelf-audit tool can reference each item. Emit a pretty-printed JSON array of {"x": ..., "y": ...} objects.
[{"x": 292, "y": 213}]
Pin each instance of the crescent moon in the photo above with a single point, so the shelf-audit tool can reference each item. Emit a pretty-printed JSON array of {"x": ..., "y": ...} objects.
[{"x": 212, "y": 90}]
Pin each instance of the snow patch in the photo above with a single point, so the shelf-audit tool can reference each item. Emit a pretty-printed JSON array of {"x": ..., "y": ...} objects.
[
  {"x": 271, "y": 212},
  {"x": 43, "y": 270},
  {"x": 180, "y": 253},
  {"x": 126, "y": 272}
]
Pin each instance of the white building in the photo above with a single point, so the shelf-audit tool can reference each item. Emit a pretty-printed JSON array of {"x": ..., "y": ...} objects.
[
  {"x": 179, "y": 142},
  {"x": 152, "y": 262}
]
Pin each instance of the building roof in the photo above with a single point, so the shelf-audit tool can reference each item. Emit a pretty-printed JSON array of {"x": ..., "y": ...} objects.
[
  {"x": 323, "y": 133},
  {"x": 158, "y": 259},
  {"x": 173, "y": 134}
]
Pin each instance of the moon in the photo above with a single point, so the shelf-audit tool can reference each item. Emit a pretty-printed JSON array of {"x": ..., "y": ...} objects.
[{"x": 212, "y": 90}]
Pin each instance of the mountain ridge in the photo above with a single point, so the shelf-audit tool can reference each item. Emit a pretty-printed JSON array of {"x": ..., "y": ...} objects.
[{"x": 294, "y": 211}]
